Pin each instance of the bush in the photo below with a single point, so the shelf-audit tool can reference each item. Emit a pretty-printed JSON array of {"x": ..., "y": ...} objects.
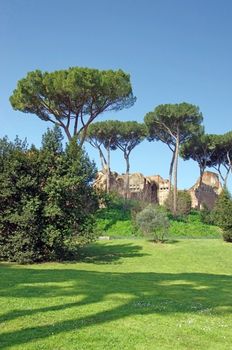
[
  {"x": 184, "y": 203},
  {"x": 222, "y": 213},
  {"x": 46, "y": 202},
  {"x": 191, "y": 226},
  {"x": 153, "y": 222},
  {"x": 206, "y": 215}
]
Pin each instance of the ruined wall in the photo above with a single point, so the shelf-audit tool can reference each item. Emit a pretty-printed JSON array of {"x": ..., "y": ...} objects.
[
  {"x": 141, "y": 187},
  {"x": 208, "y": 192},
  {"x": 155, "y": 189},
  {"x": 163, "y": 186}
]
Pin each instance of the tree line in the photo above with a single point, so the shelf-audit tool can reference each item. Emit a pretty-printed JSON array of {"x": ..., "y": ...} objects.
[{"x": 73, "y": 98}]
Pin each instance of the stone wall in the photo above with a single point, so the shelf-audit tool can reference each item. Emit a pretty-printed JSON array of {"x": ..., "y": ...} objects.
[
  {"x": 151, "y": 189},
  {"x": 155, "y": 189},
  {"x": 208, "y": 192}
]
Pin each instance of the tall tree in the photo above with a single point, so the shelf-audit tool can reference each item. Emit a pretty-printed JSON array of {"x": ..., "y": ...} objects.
[
  {"x": 74, "y": 97},
  {"x": 129, "y": 135},
  {"x": 200, "y": 149},
  {"x": 173, "y": 124},
  {"x": 102, "y": 135},
  {"x": 222, "y": 155}
]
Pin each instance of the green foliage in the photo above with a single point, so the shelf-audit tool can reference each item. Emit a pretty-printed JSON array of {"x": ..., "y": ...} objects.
[
  {"x": 222, "y": 155},
  {"x": 168, "y": 120},
  {"x": 46, "y": 201},
  {"x": 118, "y": 219},
  {"x": 207, "y": 215},
  {"x": 222, "y": 214},
  {"x": 114, "y": 218},
  {"x": 52, "y": 140},
  {"x": 129, "y": 135},
  {"x": 153, "y": 222},
  {"x": 199, "y": 148},
  {"x": 72, "y": 94},
  {"x": 191, "y": 226},
  {"x": 183, "y": 203}
]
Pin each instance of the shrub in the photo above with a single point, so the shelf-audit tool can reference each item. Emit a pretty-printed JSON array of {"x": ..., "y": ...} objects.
[
  {"x": 46, "y": 201},
  {"x": 206, "y": 215},
  {"x": 153, "y": 222},
  {"x": 222, "y": 213},
  {"x": 184, "y": 203}
]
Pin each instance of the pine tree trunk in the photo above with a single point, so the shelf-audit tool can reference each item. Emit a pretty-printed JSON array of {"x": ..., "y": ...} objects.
[
  {"x": 226, "y": 178},
  {"x": 199, "y": 188},
  {"x": 126, "y": 189},
  {"x": 171, "y": 171},
  {"x": 102, "y": 159},
  {"x": 175, "y": 166},
  {"x": 108, "y": 171}
]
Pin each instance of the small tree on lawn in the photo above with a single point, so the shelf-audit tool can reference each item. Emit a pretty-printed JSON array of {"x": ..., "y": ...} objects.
[{"x": 153, "y": 222}]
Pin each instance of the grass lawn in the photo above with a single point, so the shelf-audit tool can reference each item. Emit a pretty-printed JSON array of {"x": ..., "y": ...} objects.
[{"x": 124, "y": 295}]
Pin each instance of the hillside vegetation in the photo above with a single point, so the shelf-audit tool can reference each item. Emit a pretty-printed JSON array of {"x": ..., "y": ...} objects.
[{"x": 118, "y": 220}]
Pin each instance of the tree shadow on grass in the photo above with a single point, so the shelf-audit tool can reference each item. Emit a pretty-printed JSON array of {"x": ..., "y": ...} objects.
[
  {"x": 109, "y": 252},
  {"x": 148, "y": 293}
]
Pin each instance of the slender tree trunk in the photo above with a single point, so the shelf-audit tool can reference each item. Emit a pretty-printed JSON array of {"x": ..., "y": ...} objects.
[
  {"x": 202, "y": 169},
  {"x": 228, "y": 169},
  {"x": 175, "y": 166},
  {"x": 69, "y": 136},
  {"x": 126, "y": 189},
  {"x": 226, "y": 177},
  {"x": 102, "y": 159},
  {"x": 220, "y": 173},
  {"x": 171, "y": 171},
  {"x": 108, "y": 170}
]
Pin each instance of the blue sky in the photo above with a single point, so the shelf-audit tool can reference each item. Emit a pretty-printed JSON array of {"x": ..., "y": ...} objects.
[{"x": 174, "y": 50}]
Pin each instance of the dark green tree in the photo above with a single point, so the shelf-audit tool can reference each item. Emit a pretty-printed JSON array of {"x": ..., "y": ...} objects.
[
  {"x": 70, "y": 200},
  {"x": 20, "y": 204},
  {"x": 46, "y": 202},
  {"x": 74, "y": 97},
  {"x": 173, "y": 124},
  {"x": 52, "y": 140}
]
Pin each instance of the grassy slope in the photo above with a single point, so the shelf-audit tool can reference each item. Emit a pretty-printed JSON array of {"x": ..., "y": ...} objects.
[
  {"x": 125, "y": 295},
  {"x": 116, "y": 222}
]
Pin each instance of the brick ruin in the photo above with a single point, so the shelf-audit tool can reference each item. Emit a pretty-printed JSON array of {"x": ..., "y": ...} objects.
[
  {"x": 209, "y": 191},
  {"x": 155, "y": 189}
]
